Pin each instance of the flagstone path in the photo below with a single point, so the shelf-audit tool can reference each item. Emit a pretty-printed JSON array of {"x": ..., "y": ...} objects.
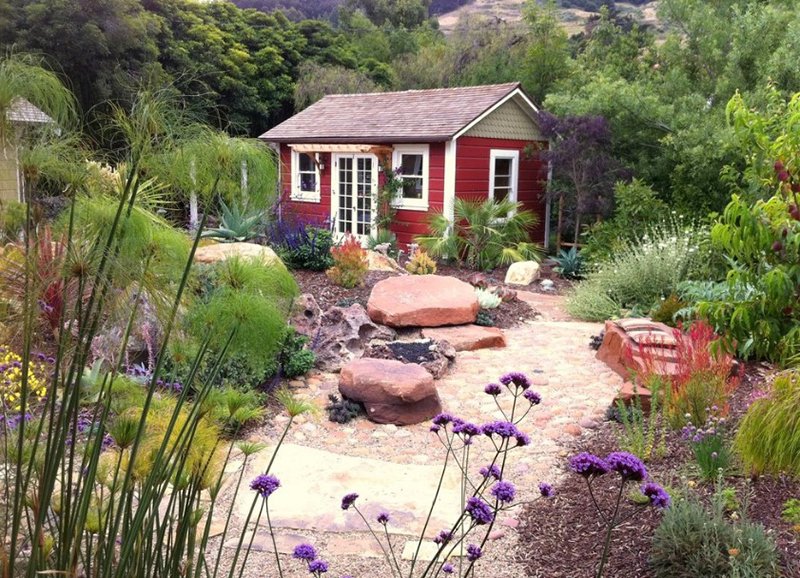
[{"x": 395, "y": 469}]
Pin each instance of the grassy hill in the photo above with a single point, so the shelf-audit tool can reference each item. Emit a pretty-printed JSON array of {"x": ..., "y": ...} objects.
[{"x": 574, "y": 13}]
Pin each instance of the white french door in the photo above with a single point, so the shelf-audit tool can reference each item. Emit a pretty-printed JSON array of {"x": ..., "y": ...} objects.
[{"x": 354, "y": 189}]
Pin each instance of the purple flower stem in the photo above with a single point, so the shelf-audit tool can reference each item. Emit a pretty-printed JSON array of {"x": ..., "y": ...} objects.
[
  {"x": 594, "y": 501},
  {"x": 274, "y": 543},
  {"x": 430, "y": 513},
  {"x": 391, "y": 549},
  {"x": 378, "y": 540},
  {"x": 256, "y": 500},
  {"x": 613, "y": 523}
]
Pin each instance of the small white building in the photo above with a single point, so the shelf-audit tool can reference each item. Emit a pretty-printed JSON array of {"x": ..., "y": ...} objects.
[{"x": 20, "y": 116}]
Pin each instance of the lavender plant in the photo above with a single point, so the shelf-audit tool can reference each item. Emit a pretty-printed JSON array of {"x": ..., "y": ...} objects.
[
  {"x": 630, "y": 469},
  {"x": 708, "y": 443}
]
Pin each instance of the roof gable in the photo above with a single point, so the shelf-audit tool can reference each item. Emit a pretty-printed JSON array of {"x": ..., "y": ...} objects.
[
  {"x": 510, "y": 120},
  {"x": 23, "y": 111},
  {"x": 392, "y": 117}
]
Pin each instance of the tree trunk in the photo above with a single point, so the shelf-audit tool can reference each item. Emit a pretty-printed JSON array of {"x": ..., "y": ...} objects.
[{"x": 560, "y": 222}]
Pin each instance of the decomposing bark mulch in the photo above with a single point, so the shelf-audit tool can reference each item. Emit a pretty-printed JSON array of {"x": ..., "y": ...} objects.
[
  {"x": 327, "y": 294},
  {"x": 565, "y": 534}
]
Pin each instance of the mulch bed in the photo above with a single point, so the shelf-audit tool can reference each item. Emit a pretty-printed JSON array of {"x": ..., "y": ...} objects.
[
  {"x": 565, "y": 533},
  {"x": 509, "y": 314}
]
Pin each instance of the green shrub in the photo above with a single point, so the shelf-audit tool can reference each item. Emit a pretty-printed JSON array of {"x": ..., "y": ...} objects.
[
  {"x": 569, "y": 264},
  {"x": 295, "y": 358},
  {"x": 484, "y": 319},
  {"x": 640, "y": 274},
  {"x": 304, "y": 247},
  {"x": 668, "y": 310},
  {"x": 383, "y": 236},
  {"x": 768, "y": 438},
  {"x": 487, "y": 299},
  {"x": 12, "y": 221},
  {"x": 234, "y": 407},
  {"x": 645, "y": 436},
  {"x": 484, "y": 234},
  {"x": 791, "y": 511},
  {"x": 691, "y": 542},
  {"x": 350, "y": 263},
  {"x": 245, "y": 298},
  {"x": 237, "y": 223}
]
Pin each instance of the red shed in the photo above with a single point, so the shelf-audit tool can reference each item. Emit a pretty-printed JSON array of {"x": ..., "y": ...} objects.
[{"x": 472, "y": 142}]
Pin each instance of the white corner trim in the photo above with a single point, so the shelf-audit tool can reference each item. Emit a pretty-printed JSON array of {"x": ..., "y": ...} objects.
[
  {"x": 450, "y": 179},
  {"x": 517, "y": 92}
]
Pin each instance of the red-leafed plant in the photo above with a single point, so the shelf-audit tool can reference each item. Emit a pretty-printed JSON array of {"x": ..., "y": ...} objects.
[
  {"x": 350, "y": 263},
  {"x": 693, "y": 377}
]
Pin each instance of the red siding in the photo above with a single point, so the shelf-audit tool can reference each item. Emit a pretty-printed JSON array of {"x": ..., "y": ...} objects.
[
  {"x": 472, "y": 173},
  {"x": 303, "y": 209}
]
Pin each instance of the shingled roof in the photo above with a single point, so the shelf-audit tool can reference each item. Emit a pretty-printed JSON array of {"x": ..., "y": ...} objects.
[
  {"x": 390, "y": 117},
  {"x": 23, "y": 111}
]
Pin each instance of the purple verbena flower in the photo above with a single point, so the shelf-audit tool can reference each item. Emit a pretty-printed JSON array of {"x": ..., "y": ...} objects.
[
  {"x": 435, "y": 428},
  {"x": 318, "y": 566},
  {"x": 627, "y": 465},
  {"x": 517, "y": 379},
  {"x": 443, "y": 419},
  {"x": 349, "y": 500},
  {"x": 532, "y": 397},
  {"x": 447, "y": 568},
  {"x": 503, "y": 429},
  {"x": 383, "y": 518},
  {"x": 304, "y": 552},
  {"x": 659, "y": 498},
  {"x": 492, "y": 389},
  {"x": 504, "y": 491},
  {"x": 491, "y": 470},
  {"x": 443, "y": 537},
  {"x": 546, "y": 490},
  {"x": 265, "y": 485},
  {"x": 588, "y": 465},
  {"x": 466, "y": 431},
  {"x": 480, "y": 512},
  {"x": 473, "y": 552}
]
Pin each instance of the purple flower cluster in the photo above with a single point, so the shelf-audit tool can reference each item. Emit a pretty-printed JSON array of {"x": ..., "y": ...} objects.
[
  {"x": 659, "y": 498},
  {"x": 532, "y": 397},
  {"x": 383, "y": 518},
  {"x": 13, "y": 421},
  {"x": 492, "y": 470},
  {"x": 588, "y": 465},
  {"x": 443, "y": 537},
  {"x": 628, "y": 466},
  {"x": 516, "y": 379},
  {"x": 546, "y": 490},
  {"x": 473, "y": 552},
  {"x": 506, "y": 430},
  {"x": 480, "y": 512},
  {"x": 492, "y": 389},
  {"x": 305, "y": 552},
  {"x": 504, "y": 492},
  {"x": 265, "y": 485},
  {"x": 318, "y": 566},
  {"x": 349, "y": 500},
  {"x": 447, "y": 568}
]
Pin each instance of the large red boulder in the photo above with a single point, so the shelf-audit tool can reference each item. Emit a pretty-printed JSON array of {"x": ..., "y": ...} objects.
[
  {"x": 422, "y": 301},
  {"x": 467, "y": 337},
  {"x": 392, "y": 391},
  {"x": 630, "y": 345}
]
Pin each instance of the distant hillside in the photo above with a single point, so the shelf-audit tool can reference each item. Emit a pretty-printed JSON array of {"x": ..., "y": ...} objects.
[{"x": 326, "y": 9}]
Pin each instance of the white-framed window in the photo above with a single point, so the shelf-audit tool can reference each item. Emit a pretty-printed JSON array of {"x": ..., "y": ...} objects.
[
  {"x": 305, "y": 177},
  {"x": 503, "y": 174},
  {"x": 411, "y": 163}
]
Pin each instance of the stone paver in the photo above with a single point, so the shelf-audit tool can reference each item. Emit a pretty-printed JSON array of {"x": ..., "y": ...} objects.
[{"x": 575, "y": 388}]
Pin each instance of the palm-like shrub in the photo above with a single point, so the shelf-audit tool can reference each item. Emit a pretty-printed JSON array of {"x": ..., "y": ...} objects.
[
  {"x": 237, "y": 223},
  {"x": 484, "y": 234}
]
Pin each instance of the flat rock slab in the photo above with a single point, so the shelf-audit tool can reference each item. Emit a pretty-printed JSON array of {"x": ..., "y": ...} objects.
[
  {"x": 313, "y": 483},
  {"x": 467, "y": 337},
  {"x": 422, "y": 301},
  {"x": 628, "y": 342},
  {"x": 392, "y": 391},
  {"x": 221, "y": 251}
]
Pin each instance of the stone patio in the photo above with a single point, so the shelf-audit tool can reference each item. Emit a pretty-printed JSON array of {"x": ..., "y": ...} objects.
[{"x": 396, "y": 468}]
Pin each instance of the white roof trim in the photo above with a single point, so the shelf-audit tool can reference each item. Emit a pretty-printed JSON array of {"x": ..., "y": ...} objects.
[
  {"x": 517, "y": 92},
  {"x": 332, "y": 148}
]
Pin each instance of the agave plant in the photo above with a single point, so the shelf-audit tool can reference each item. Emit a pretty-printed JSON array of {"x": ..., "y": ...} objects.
[
  {"x": 237, "y": 223},
  {"x": 484, "y": 234},
  {"x": 569, "y": 264}
]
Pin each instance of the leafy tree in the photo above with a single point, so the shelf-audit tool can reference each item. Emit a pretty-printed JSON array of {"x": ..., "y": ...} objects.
[
  {"x": 584, "y": 172},
  {"x": 316, "y": 81},
  {"x": 548, "y": 49}
]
